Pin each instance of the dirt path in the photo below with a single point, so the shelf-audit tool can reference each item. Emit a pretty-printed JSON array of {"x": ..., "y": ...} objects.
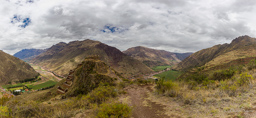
[{"x": 142, "y": 106}]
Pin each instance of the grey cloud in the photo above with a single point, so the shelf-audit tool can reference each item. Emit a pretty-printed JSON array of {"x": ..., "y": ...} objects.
[
  {"x": 243, "y": 5},
  {"x": 173, "y": 25}
]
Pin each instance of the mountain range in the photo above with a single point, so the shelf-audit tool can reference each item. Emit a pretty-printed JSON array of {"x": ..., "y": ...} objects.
[
  {"x": 28, "y": 54},
  {"x": 62, "y": 57}
]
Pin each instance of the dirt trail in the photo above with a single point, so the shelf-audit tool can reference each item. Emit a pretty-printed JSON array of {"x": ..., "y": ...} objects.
[{"x": 142, "y": 106}]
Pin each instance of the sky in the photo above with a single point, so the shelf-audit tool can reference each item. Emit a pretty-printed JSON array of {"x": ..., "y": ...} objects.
[{"x": 172, "y": 25}]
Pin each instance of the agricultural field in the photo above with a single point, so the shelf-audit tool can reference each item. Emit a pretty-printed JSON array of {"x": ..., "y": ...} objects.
[
  {"x": 159, "y": 68},
  {"x": 169, "y": 75},
  {"x": 30, "y": 86},
  {"x": 43, "y": 85},
  {"x": 13, "y": 86}
]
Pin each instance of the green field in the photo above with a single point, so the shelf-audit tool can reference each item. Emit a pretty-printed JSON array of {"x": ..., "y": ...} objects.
[
  {"x": 169, "y": 75},
  {"x": 43, "y": 85},
  {"x": 17, "y": 88},
  {"x": 13, "y": 86},
  {"x": 159, "y": 68}
]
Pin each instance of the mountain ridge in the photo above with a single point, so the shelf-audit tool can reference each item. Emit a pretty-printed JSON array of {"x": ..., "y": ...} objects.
[
  {"x": 62, "y": 57},
  {"x": 28, "y": 54},
  {"x": 240, "y": 47},
  {"x": 153, "y": 57}
]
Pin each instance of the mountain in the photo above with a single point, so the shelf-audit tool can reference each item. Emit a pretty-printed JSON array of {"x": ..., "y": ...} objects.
[
  {"x": 14, "y": 69},
  {"x": 87, "y": 76},
  {"x": 182, "y": 56},
  {"x": 152, "y": 57},
  {"x": 28, "y": 54},
  {"x": 241, "y": 48},
  {"x": 62, "y": 57}
]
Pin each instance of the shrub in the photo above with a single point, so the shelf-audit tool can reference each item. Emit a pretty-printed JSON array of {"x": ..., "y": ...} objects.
[
  {"x": 223, "y": 74},
  {"x": 228, "y": 87},
  {"x": 245, "y": 79},
  {"x": 114, "y": 110},
  {"x": 252, "y": 64},
  {"x": 143, "y": 81},
  {"x": 198, "y": 77},
  {"x": 101, "y": 94},
  {"x": 4, "y": 99},
  {"x": 4, "y": 111},
  {"x": 192, "y": 84},
  {"x": 169, "y": 87}
]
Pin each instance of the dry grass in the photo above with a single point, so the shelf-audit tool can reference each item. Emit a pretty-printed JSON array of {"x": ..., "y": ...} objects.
[
  {"x": 225, "y": 98},
  {"x": 45, "y": 104}
]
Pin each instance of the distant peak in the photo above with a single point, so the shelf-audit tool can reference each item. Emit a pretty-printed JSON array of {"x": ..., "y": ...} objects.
[
  {"x": 61, "y": 43},
  {"x": 140, "y": 47},
  {"x": 243, "y": 38},
  {"x": 88, "y": 40}
]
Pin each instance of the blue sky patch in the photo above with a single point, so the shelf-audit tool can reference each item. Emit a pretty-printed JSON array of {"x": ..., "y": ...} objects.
[
  {"x": 112, "y": 29},
  {"x": 30, "y": 1},
  {"x": 17, "y": 19}
]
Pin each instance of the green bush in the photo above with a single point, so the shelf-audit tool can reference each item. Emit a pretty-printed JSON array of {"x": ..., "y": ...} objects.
[
  {"x": 169, "y": 87},
  {"x": 144, "y": 81},
  {"x": 197, "y": 77},
  {"x": 114, "y": 110},
  {"x": 252, "y": 64},
  {"x": 233, "y": 86},
  {"x": 223, "y": 74},
  {"x": 4, "y": 111},
  {"x": 245, "y": 79},
  {"x": 101, "y": 94},
  {"x": 228, "y": 87}
]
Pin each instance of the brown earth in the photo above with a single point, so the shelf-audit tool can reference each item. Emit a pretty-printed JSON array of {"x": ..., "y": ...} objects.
[{"x": 143, "y": 107}]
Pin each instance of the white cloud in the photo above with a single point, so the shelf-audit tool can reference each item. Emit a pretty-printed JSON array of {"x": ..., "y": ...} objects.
[{"x": 173, "y": 25}]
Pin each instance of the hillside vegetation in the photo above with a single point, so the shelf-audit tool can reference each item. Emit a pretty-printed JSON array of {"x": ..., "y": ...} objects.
[{"x": 93, "y": 93}]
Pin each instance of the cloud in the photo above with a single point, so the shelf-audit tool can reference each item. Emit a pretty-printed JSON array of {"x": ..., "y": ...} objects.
[{"x": 173, "y": 25}]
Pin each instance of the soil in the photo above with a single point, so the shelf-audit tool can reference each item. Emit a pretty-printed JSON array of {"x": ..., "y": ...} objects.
[{"x": 142, "y": 106}]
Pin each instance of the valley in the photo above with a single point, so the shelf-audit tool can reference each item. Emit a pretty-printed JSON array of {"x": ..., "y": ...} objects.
[
  {"x": 204, "y": 84},
  {"x": 127, "y": 59},
  {"x": 46, "y": 80}
]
